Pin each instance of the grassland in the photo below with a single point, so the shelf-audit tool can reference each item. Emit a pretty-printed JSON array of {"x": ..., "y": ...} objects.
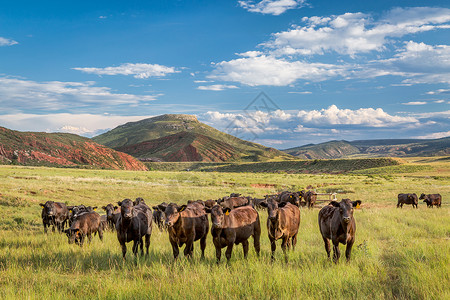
[{"x": 399, "y": 253}]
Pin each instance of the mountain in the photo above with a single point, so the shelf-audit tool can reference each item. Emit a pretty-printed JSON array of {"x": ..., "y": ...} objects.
[
  {"x": 373, "y": 148},
  {"x": 177, "y": 137},
  {"x": 60, "y": 149}
]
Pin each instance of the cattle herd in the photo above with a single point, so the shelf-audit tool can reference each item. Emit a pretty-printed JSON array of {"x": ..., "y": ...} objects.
[{"x": 234, "y": 219}]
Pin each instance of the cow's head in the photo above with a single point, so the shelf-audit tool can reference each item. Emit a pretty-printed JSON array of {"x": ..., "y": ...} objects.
[
  {"x": 109, "y": 209},
  {"x": 48, "y": 208},
  {"x": 294, "y": 198},
  {"x": 126, "y": 209},
  {"x": 272, "y": 209},
  {"x": 74, "y": 235},
  {"x": 345, "y": 210},
  {"x": 422, "y": 196},
  {"x": 172, "y": 212},
  {"x": 218, "y": 214},
  {"x": 138, "y": 201}
]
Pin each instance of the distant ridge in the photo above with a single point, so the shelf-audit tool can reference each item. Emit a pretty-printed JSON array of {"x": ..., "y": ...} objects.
[
  {"x": 178, "y": 137},
  {"x": 60, "y": 149},
  {"x": 373, "y": 148}
]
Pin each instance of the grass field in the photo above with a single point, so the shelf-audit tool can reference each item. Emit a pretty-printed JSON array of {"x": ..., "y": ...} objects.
[{"x": 399, "y": 253}]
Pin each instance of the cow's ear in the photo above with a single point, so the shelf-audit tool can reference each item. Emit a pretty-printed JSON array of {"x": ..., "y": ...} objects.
[
  {"x": 334, "y": 203},
  {"x": 282, "y": 204},
  {"x": 263, "y": 204},
  {"x": 104, "y": 207},
  {"x": 94, "y": 208},
  {"x": 181, "y": 208},
  {"x": 162, "y": 207},
  {"x": 119, "y": 203},
  {"x": 226, "y": 211},
  {"x": 357, "y": 203},
  {"x": 40, "y": 204},
  {"x": 207, "y": 210},
  {"x": 155, "y": 207}
]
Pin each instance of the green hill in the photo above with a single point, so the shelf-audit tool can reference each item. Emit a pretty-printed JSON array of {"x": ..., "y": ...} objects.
[
  {"x": 60, "y": 149},
  {"x": 373, "y": 148},
  {"x": 173, "y": 137}
]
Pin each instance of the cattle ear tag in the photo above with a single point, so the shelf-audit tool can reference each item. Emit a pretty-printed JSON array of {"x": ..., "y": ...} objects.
[
  {"x": 358, "y": 206},
  {"x": 227, "y": 213}
]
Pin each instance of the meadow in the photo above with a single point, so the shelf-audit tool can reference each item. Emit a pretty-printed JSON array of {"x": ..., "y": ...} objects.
[{"x": 398, "y": 253}]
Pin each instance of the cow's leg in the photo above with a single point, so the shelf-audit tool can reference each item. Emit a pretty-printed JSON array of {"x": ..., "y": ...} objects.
[
  {"x": 135, "y": 247},
  {"x": 100, "y": 234},
  {"x": 348, "y": 250},
  {"x": 218, "y": 253},
  {"x": 147, "y": 242},
  {"x": 256, "y": 243},
  {"x": 175, "y": 250},
  {"x": 336, "y": 252},
  {"x": 203, "y": 246},
  {"x": 141, "y": 242},
  {"x": 273, "y": 247},
  {"x": 284, "y": 247},
  {"x": 229, "y": 251},
  {"x": 189, "y": 249},
  {"x": 45, "y": 227},
  {"x": 82, "y": 238},
  {"x": 245, "y": 248},
  {"x": 327, "y": 246},
  {"x": 294, "y": 241},
  {"x": 124, "y": 249},
  {"x": 89, "y": 237}
]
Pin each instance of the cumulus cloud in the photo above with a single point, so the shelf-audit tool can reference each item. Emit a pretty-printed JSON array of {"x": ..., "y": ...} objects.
[
  {"x": 21, "y": 94},
  {"x": 82, "y": 124},
  {"x": 272, "y": 7},
  {"x": 7, "y": 42},
  {"x": 216, "y": 87},
  {"x": 140, "y": 71}
]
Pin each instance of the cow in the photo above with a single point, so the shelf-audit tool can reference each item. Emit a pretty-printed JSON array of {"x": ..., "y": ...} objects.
[
  {"x": 186, "y": 224},
  {"x": 210, "y": 203},
  {"x": 407, "y": 199},
  {"x": 54, "y": 214},
  {"x": 293, "y": 198},
  {"x": 234, "y": 202},
  {"x": 76, "y": 210},
  {"x": 309, "y": 196},
  {"x": 283, "y": 223},
  {"x": 134, "y": 223},
  {"x": 233, "y": 227},
  {"x": 431, "y": 199},
  {"x": 112, "y": 215},
  {"x": 159, "y": 216},
  {"x": 336, "y": 223},
  {"x": 84, "y": 225},
  {"x": 256, "y": 203}
]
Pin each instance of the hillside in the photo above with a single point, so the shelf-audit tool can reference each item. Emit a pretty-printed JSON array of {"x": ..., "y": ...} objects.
[
  {"x": 60, "y": 149},
  {"x": 373, "y": 148},
  {"x": 183, "y": 138}
]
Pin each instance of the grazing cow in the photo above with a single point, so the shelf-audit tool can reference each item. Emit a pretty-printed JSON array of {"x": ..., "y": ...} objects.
[
  {"x": 432, "y": 199},
  {"x": 135, "y": 222},
  {"x": 186, "y": 224},
  {"x": 233, "y": 227},
  {"x": 54, "y": 214},
  {"x": 282, "y": 223},
  {"x": 112, "y": 215},
  {"x": 336, "y": 223},
  {"x": 84, "y": 225},
  {"x": 309, "y": 196},
  {"x": 159, "y": 216},
  {"x": 407, "y": 199},
  {"x": 234, "y": 202}
]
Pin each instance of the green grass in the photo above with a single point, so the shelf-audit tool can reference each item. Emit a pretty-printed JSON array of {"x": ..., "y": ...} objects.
[{"x": 399, "y": 253}]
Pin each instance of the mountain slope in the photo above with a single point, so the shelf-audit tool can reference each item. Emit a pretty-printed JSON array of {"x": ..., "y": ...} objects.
[
  {"x": 137, "y": 135},
  {"x": 60, "y": 149},
  {"x": 373, "y": 148}
]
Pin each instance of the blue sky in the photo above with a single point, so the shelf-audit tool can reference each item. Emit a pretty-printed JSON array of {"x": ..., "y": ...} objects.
[{"x": 329, "y": 69}]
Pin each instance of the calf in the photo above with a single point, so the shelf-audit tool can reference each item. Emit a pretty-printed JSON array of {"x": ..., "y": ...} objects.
[
  {"x": 432, "y": 199},
  {"x": 407, "y": 199},
  {"x": 134, "y": 223},
  {"x": 76, "y": 210},
  {"x": 54, "y": 214},
  {"x": 232, "y": 227},
  {"x": 186, "y": 224},
  {"x": 84, "y": 225},
  {"x": 112, "y": 215},
  {"x": 282, "y": 223},
  {"x": 159, "y": 216},
  {"x": 337, "y": 224}
]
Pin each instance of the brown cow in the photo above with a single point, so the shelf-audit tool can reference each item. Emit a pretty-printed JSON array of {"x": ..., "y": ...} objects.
[
  {"x": 407, "y": 199},
  {"x": 112, "y": 215},
  {"x": 234, "y": 202},
  {"x": 233, "y": 227},
  {"x": 336, "y": 223},
  {"x": 84, "y": 225},
  {"x": 210, "y": 203},
  {"x": 282, "y": 223},
  {"x": 309, "y": 196},
  {"x": 54, "y": 214},
  {"x": 135, "y": 222},
  {"x": 432, "y": 199},
  {"x": 186, "y": 224}
]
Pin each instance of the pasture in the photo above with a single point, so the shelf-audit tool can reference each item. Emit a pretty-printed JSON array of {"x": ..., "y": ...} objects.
[{"x": 398, "y": 253}]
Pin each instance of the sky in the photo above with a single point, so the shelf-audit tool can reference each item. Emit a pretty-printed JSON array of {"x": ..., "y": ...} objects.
[{"x": 282, "y": 73}]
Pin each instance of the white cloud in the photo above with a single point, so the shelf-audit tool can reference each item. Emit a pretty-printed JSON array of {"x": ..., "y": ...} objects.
[
  {"x": 82, "y": 124},
  {"x": 439, "y": 91},
  {"x": 7, "y": 42},
  {"x": 415, "y": 103},
  {"x": 273, "y": 7},
  {"x": 140, "y": 71},
  {"x": 435, "y": 135},
  {"x": 18, "y": 94},
  {"x": 216, "y": 87}
]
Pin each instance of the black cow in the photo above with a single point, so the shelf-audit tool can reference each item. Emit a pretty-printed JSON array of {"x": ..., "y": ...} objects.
[
  {"x": 54, "y": 214},
  {"x": 432, "y": 199},
  {"x": 407, "y": 199}
]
